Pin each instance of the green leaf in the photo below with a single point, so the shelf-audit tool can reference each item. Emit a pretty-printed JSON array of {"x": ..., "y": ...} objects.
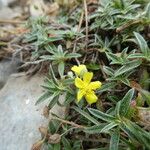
[
  {"x": 145, "y": 133},
  {"x": 66, "y": 144},
  {"x": 49, "y": 84},
  {"x": 125, "y": 129},
  {"x": 125, "y": 102},
  {"x": 57, "y": 146},
  {"x": 93, "y": 66},
  {"x": 45, "y": 96},
  {"x": 136, "y": 55},
  {"x": 51, "y": 72},
  {"x": 60, "y": 50},
  {"x": 53, "y": 99},
  {"x": 48, "y": 57},
  {"x": 72, "y": 55},
  {"x": 61, "y": 68},
  {"x": 77, "y": 145},
  {"x": 53, "y": 39},
  {"x": 50, "y": 48},
  {"x": 95, "y": 129},
  {"x": 114, "y": 141},
  {"x": 146, "y": 96},
  {"x": 110, "y": 20},
  {"x": 101, "y": 115},
  {"x": 86, "y": 115},
  {"x": 107, "y": 87},
  {"x": 147, "y": 10},
  {"x": 125, "y": 81},
  {"x": 136, "y": 133},
  {"x": 113, "y": 58},
  {"x": 53, "y": 126},
  {"x": 108, "y": 127},
  {"x": 131, "y": 145},
  {"x": 128, "y": 67},
  {"x": 117, "y": 109},
  {"x": 68, "y": 99},
  {"x": 142, "y": 43},
  {"x": 67, "y": 82},
  {"x": 108, "y": 71},
  {"x": 98, "y": 149}
]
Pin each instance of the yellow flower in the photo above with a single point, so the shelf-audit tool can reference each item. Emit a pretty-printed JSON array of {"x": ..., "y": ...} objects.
[
  {"x": 86, "y": 87},
  {"x": 79, "y": 70}
]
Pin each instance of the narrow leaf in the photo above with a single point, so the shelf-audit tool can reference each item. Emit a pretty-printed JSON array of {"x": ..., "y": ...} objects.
[
  {"x": 142, "y": 43},
  {"x": 57, "y": 146},
  {"x": 61, "y": 68},
  {"x": 146, "y": 96},
  {"x": 136, "y": 55},
  {"x": 66, "y": 143},
  {"x": 101, "y": 115},
  {"x": 128, "y": 67},
  {"x": 45, "y": 96},
  {"x": 72, "y": 55},
  {"x": 108, "y": 71},
  {"x": 125, "y": 102},
  {"x": 108, "y": 127},
  {"x": 114, "y": 141},
  {"x": 106, "y": 87},
  {"x": 86, "y": 115},
  {"x": 114, "y": 59},
  {"x": 53, "y": 100},
  {"x": 95, "y": 129}
]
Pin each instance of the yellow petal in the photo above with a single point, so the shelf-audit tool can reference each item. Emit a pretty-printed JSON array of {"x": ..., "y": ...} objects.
[
  {"x": 80, "y": 94},
  {"x": 79, "y": 69},
  {"x": 95, "y": 85},
  {"x": 75, "y": 69},
  {"x": 91, "y": 97},
  {"x": 87, "y": 77},
  {"x": 82, "y": 67},
  {"x": 79, "y": 83}
]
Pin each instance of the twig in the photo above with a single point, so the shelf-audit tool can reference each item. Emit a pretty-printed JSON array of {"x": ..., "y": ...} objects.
[
  {"x": 68, "y": 131},
  {"x": 127, "y": 25},
  {"x": 79, "y": 27},
  {"x": 83, "y": 138},
  {"x": 101, "y": 67},
  {"x": 80, "y": 22},
  {"x": 68, "y": 122},
  {"x": 86, "y": 22},
  {"x": 11, "y": 21}
]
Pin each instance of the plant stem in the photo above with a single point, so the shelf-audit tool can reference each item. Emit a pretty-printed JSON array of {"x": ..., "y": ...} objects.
[
  {"x": 86, "y": 22},
  {"x": 68, "y": 122},
  {"x": 127, "y": 25}
]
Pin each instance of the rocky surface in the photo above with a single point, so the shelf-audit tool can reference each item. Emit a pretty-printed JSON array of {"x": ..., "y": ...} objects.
[
  {"x": 19, "y": 117},
  {"x": 7, "y": 67},
  {"x": 6, "y": 2}
]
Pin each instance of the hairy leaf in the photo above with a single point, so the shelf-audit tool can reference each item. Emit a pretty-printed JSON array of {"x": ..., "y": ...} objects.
[{"x": 101, "y": 115}]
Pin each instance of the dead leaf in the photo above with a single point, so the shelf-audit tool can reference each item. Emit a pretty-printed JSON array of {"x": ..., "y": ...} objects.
[
  {"x": 52, "y": 9},
  {"x": 37, "y": 8},
  {"x": 43, "y": 131},
  {"x": 53, "y": 139},
  {"x": 46, "y": 112},
  {"x": 37, "y": 145},
  {"x": 144, "y": 117},
  {"x": 135, "y": 85}
]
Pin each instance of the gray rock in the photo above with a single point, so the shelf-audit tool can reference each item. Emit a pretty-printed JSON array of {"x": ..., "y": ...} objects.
[
  {"x": 7, "y": 67},
  {"x": 19, "y": 117},
  {"x": 6, "y": 2},
  {"x": 9, "y": 13}
]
